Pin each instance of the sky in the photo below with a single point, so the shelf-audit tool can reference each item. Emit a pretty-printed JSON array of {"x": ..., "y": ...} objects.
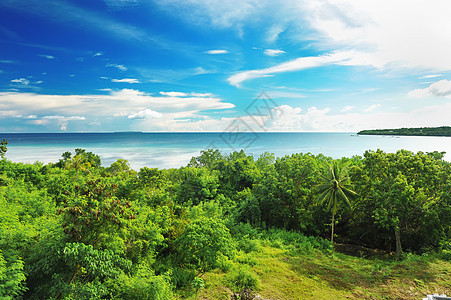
[{"x": 215, "y": 65}]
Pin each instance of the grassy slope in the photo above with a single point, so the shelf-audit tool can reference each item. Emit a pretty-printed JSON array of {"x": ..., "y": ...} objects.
[{"x": 286, "y": 275}]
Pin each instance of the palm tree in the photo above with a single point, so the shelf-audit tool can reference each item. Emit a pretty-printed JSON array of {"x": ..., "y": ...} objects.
[
  {"x": 79, "y": 163},
  {"x": 336, "y": 187}
]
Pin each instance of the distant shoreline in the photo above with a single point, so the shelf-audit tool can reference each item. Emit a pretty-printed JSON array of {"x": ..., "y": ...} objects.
[{"x": 423, "y": 131}]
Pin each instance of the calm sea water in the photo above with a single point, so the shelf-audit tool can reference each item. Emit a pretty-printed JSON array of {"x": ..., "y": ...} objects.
[{"x": 167, "y": 150}]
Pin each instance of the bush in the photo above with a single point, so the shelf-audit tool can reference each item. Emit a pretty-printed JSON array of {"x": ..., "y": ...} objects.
[
  {"x": 296, "y": 240},
  {"x": 243, "y": 278},
  {"x": 141, "y": 286},
  {"x": 249, "y": 245},
  {"x": 245, "y": 258},
  {"x": 224, "y": 263},
  {"x": 445, "y": 255},
  {"x": 182, "y": 277}
]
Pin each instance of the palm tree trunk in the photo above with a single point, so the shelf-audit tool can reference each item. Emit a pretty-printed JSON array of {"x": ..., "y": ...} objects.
[{"x": 333, "y": 224}]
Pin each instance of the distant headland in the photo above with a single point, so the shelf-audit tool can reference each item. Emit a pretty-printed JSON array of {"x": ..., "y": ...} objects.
[{"x": 423, "y": 131}]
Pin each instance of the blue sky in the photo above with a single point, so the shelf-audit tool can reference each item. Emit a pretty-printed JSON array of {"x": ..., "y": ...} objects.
[{"x": 191, "y": 65}]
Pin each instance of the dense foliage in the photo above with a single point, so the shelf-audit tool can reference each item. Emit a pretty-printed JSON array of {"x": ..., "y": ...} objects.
[
  {"x": 423, "y": 131},
  {"x": 77, "y": 230}
]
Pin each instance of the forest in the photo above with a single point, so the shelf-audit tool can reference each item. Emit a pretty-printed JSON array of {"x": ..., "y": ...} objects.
[
  {"x": 423, "y": 131},
  {"x": 227, "y": 227}
]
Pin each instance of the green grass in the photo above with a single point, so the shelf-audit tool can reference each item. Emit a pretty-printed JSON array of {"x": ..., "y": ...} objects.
[{"x": 287, "y": 273}]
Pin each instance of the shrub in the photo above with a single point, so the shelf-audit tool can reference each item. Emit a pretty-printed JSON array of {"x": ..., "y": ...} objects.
[
  {"x": 243, "y": 278},
  {"x": 142, "y": 287}
]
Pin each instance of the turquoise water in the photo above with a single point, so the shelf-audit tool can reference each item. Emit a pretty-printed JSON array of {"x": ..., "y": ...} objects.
[{"x": 168, "y": 150}]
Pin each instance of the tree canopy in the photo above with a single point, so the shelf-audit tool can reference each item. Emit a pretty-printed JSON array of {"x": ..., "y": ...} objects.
[{"x": 76, "y": 229}]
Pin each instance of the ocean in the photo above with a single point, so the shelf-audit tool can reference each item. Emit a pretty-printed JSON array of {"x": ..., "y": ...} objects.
[{"x": 173, "y": 150}]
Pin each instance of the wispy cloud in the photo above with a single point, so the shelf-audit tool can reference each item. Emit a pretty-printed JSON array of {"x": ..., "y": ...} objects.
[
  {"x": 23, "y": 81},
  {"x": 68, "y": 13},
  {"x": 218, "y": 51},
  {"x": 201, "y": 94},
  {"x": 119, "y": 4},
  {"x": 273, "y": 52},
  {"x": 126, "y": 80},
  {"x": 290, "y": 66},
  {"x": 384, "y": 39},
  {"x": 274, "y": 31},
  {"x": 430, "y": 76},
  {"x": 372, "y": 107},
  {"x": 171, "y": 75},
  {"x": 58, "y": 117},
  {"x": 47, "y": 56},
  {"x": 440, "y": 88},
  {"x": 120, "y": 67}
]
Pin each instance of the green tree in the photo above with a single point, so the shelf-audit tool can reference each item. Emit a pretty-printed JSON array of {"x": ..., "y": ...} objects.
[
  {"x": 81, "y": 162},
  {"x": 78, "y": 163},
  {"x": 203, "y": 241},
  {"x": 282, "y": 195},
  {"x": 405, "y": 191},
  {"x": 336, "y": 188},
  {"x": 208, "y": 158},
  {"x": 95, "y": 214},
  {"x": 197, "y": 185}
]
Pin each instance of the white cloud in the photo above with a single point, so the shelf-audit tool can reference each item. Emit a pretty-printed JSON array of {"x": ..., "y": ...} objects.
[
  {"x": 120, "y": 67},
  {"x": 47, "y": 56},
  {"x": 173, "y": 94},
  {"x": 273, "y": 52},
  {"x": 127, "y": 80},
  {"x": 146, "y": 114},
  {"x": 290, "y": 66},
  {"x": 119, "y": 4},
  {"x": 395, "y": 35},
  {"x": 23, "y": 81},
  {"x": 386, "y": 32},
  {"x": 430, "y": 76},
  {"x": 324, "y": 120},
  {"x": 201, "y": 94},
  {"x": 347, "y": 108},
  {"x": 123, "y": 102},
  {"x": 217, "y": 13},
  {"x": 57, "y": 117},
  {"x": 39, "y": 122},
  {"x": 440, "y": 88},
  {"x": 218, "y": 51},
  {"x": 286, "y": 94},
  {"x": 273, "y": 33},
  {"x": 372, "y": 107},
  {"x": 100, "y": 53}
]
